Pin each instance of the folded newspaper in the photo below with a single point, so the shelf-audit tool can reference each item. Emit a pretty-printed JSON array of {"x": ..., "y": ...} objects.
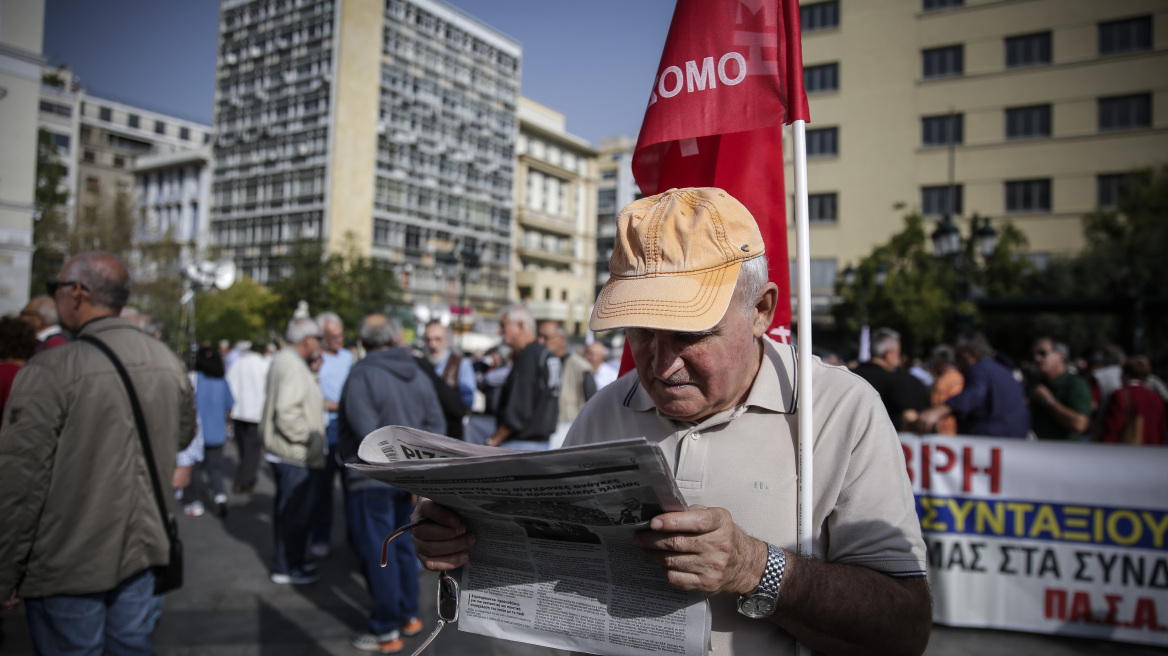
[{"x": 554, "y": 562}]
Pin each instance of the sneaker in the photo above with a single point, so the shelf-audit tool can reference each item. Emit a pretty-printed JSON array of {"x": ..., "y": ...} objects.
[
  {"x": 386, "y": 643},
  {"x": 221, "y": 505},
  {"x": 297, "y": 578},
  {"x": 319, "y": 550},
  {"x": 412, "y": 627},
  {"x": 194, "y": 509}
]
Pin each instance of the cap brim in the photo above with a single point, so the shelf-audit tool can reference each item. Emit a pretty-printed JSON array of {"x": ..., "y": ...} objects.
[{"x": 689, "y": 302}]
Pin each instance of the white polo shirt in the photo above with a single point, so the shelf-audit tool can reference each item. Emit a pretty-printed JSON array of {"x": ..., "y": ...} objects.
[{"x": 745, "y": 460}]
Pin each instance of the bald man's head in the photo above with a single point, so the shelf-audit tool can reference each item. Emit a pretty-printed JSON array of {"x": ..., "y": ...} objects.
[
  {"x": 378, "y": 331},
  {"x": 104, "y": 275}
]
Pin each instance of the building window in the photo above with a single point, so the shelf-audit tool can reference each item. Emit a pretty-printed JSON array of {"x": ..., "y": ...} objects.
[
  {"x": 89, "y": 156},
  {"x": 821, "y": 208},
  {"x": 133, "y": 121},
  {"x": 1028, "y": 196},
  {"x": 940, "y": 62},
  {"x": 822, "y": 142},
  {"x": 1112, "y": 189},
  {"x": 823, "y": 272},
  {"x": 105, "y": 113},
  {"x": 935, "y": 200},
  {"x": 941, "y": 130},
  {"x": 1028, "y": 50},
  {"x": 119, "y": 162},
  {"x": 608, "y": 175},
  {"x": 1026, "y": 122},
  {"x": 55, "y": 108},
  {"x": 930, "y": 5},
  {"x": 159, "y": 127},
  {"x": 60, "y": 140},
  {"x": 1131, "y": 35},
  {"x": 1125, "y": 112},
  {"x": 184, "y": 134},
  {"x": 92, "y": 185},
  {"x": 819, "y": 16},
  {"x": 824, "y": 77},
  {"x": 206, "y": 137}
]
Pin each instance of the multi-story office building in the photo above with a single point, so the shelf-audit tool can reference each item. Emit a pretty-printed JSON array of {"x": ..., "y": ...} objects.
[
  {"x": 21, "y": 28},
  {"x": 615, "y": 189},
  {"x": 555, "y": 210},
  {"x": 1048, "y": 104},
  {"x": 384, "y": 126},
  {"x": 118, "y": 157}
]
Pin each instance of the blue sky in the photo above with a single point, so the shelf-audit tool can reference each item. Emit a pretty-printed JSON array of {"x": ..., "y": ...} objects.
[{"x": 593, "y": 60}]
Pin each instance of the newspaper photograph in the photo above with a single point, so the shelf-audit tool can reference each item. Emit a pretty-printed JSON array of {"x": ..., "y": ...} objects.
[{"x": 554, "y": 562}]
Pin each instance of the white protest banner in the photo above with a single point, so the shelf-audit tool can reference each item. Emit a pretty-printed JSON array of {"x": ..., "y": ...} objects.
[{"x": 1049, "y": 537}]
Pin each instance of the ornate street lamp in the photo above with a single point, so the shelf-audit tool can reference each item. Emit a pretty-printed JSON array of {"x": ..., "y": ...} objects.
[{"x": 946, "y": 238}]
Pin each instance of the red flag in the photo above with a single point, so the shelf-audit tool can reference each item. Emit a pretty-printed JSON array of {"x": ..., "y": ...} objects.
[{"x": 730, "y": 76}]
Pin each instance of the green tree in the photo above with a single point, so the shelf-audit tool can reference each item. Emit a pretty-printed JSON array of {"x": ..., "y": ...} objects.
[
  {"x": 50, "y": 235},
  {"x": 106, "y": 227},
  {"x": 349, "y": 284},
  {"x": 158, "y": 286},
  {"x": 239, "y": 312},
  {"x": 921, "y": 297}
]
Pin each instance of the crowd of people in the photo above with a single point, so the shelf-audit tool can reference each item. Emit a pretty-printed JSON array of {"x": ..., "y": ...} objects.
[
  {"x": 971, "y": 389},
  {"x": 708, "y": 386}
]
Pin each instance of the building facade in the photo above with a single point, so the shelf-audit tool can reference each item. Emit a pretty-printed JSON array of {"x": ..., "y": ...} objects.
[
  {"x": 615, "y": 189},
  {"x": 1047, "y": 103},
  {"x": 381, "y": 127},
  {"x": 21, "y": 30},
  {"x": 555, "y": 211},
  {"x": 173, "y": 193}
]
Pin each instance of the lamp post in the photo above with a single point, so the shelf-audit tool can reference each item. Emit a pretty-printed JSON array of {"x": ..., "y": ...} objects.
[
  {"x": 947, "y": 245},
  {"x": 851, "y": 277},
  {"x": 471, "y": 261}
]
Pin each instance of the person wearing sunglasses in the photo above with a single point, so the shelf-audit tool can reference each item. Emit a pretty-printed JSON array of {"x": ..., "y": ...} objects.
[
  {"x": 80, "y": 525},
  {"x": 689, "y": 285},
  {"x": 1060, "y": 406}
]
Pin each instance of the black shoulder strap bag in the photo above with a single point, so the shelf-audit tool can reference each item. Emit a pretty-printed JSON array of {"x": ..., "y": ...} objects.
[{"x": 170, "y": 576}]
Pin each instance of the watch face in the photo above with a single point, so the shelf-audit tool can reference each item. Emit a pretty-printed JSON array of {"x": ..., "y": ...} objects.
[{"x": 756, "y": 606}]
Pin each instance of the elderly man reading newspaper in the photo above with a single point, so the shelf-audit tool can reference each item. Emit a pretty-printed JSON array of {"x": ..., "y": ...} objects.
[{"x": 689, "y": 285}]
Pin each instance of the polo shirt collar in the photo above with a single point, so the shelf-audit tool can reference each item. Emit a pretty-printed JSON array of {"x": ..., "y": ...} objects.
[{"x": 774, "y": 387}]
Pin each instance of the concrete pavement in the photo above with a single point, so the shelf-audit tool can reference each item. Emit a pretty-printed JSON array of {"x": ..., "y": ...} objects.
[{"x": 228, "y": 607}]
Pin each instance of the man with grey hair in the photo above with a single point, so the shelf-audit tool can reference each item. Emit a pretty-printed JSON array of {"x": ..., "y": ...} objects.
[
  {"x": 689, "y": 285},
  {"x": 41, "y": 314},
  {"x": 904, "y": 396},
  {"x": 336, "y": 361},
  {"x": 292, "y": 428},
  {"x": 1060, "y": 408},
  {"x": 386, "y": 388},
  {"x": 80, "y": 526},
  {"x": 529, "y": 404}
]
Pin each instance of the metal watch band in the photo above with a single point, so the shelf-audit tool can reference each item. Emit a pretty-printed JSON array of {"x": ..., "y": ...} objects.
[{"x": 772, "y": 576}]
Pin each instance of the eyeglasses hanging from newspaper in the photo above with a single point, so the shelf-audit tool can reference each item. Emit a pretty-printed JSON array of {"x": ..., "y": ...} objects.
[{"x": 447, "y": 589}]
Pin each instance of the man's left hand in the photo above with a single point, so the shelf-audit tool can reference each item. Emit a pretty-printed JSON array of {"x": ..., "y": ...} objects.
[{"x": 703, "y": 549}]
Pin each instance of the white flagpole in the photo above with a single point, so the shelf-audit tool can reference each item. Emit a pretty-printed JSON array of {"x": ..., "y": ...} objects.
[{"x": 803, "y": 375}]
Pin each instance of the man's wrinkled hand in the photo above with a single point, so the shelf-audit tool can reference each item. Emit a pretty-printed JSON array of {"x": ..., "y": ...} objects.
[
  {"x": 703, "y": 549},
  {"x": 442, "y": 542},
  {"x": 9, "y": 604}
]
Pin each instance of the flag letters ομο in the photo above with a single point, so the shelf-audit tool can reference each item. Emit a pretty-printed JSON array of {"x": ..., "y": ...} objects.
[{"x": 730, "y": 76}]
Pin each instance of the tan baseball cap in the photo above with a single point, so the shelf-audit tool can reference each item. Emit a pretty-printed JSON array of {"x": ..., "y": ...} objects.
[{"x": 676, "y": 261}]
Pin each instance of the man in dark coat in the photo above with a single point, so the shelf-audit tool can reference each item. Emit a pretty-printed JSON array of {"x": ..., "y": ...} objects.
[{"x": 387, "y": 388}]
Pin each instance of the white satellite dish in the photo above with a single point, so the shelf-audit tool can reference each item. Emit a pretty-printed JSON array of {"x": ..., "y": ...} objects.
[{"x": 224, "y": 274}]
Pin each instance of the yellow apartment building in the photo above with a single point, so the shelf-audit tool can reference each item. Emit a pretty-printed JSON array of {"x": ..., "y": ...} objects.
[{"x": 1049, "y": 103}]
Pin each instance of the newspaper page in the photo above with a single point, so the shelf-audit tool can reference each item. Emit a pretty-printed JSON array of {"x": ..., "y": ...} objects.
[{"x": 554, "y": 563}]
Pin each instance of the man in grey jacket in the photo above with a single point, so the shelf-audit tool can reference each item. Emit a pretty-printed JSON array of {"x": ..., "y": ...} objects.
[
  {"x": 292, "y": 428},
  {"x": 80, "y": 529},
  {"x": 387, "y": 388}
]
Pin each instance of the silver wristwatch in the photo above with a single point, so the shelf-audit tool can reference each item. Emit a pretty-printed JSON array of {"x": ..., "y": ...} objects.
[{"x": 762, "y": 602}]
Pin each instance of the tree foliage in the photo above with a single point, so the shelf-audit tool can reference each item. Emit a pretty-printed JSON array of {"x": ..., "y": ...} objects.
[
  {"x": 349, "y": 284},
  {"x": 244, "y": 310},
  {"x": 50, "y": 235}
]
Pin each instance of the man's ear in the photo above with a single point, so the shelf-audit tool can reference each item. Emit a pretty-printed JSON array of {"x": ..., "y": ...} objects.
[{"x": 764, "y": 309}]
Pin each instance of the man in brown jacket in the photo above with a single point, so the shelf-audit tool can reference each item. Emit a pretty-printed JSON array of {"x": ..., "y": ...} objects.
[{"x": 80, "y": 529}]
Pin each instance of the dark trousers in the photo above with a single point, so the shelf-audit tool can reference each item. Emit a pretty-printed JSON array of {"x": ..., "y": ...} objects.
[
  {"x": 372, "y": 514},
  {"x": 120, "y": 621},
  {"x": 322, "y": 512},
  {"x": 247, "y": 440},
  {"x": 295, "y": 491}
]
